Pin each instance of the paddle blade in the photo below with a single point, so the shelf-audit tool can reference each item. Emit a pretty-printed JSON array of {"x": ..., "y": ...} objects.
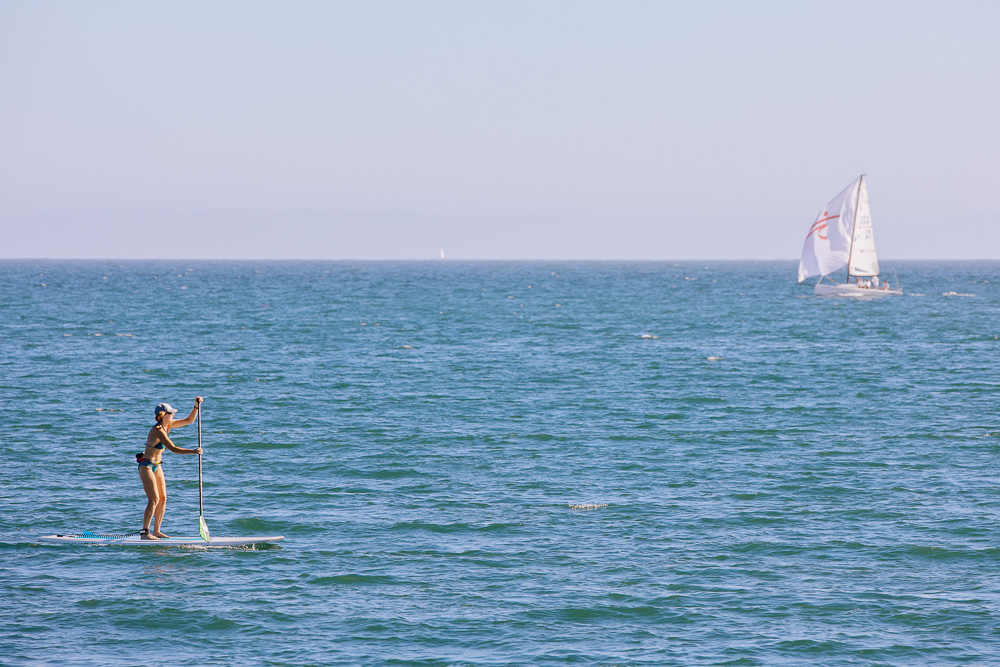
[{"x": 203, "y": 529}]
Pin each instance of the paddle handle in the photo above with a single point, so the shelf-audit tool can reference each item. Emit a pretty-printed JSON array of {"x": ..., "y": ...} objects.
[{"x": 201, "y": 506}]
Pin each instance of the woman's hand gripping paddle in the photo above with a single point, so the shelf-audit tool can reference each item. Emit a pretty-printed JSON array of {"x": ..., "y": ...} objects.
[{"x": 202, "y": 526}]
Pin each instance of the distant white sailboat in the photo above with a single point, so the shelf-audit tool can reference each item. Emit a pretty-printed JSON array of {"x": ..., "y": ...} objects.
[
  {"x": 442, "y": 253},
  {"x": 842, "y": 236}
]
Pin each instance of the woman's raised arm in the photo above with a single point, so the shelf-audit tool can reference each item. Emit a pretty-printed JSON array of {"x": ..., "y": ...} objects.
[{"x": 177, "y": 423}]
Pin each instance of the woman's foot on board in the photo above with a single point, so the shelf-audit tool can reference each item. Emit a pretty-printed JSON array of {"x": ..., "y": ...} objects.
[
  {"x": 158, "y": 534},
  {"x": 144, "y": 534}
]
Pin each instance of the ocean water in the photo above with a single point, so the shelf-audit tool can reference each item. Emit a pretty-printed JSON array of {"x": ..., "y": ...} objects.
[{"x": 503, "y": 463}]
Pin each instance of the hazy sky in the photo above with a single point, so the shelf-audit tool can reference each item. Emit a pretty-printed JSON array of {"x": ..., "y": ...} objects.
[{"x": 520, "y": 130}]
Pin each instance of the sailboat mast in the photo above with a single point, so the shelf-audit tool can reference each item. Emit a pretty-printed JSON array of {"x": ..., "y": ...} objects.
[{"x": 857, "y": 204}]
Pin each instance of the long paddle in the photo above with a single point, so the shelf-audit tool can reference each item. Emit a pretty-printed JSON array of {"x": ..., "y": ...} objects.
[{"x": 202, "y": 526}]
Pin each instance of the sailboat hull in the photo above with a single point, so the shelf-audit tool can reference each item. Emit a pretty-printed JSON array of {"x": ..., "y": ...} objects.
[{"x": 852, "y": 290}]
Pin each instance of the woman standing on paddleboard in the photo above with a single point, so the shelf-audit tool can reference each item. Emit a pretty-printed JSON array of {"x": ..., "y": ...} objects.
[{"x": 151, "y": 465}]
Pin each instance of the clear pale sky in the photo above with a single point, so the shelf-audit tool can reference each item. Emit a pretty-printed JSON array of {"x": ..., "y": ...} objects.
[{"x": 494, "y": 130}]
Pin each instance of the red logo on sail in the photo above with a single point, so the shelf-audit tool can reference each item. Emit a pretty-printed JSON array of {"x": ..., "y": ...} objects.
[{"x": 821, "y": 225}]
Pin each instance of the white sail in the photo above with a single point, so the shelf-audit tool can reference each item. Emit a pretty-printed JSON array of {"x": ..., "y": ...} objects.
[
  {"x": 864, "y": 261},
  {"x": 828, "y": 243}
]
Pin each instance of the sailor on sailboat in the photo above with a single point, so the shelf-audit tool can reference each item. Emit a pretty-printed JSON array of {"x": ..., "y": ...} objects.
[{"x": 842, "y": 236}]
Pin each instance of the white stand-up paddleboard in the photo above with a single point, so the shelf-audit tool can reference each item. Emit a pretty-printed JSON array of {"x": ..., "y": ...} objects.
[{"x": 136, "y": 540}]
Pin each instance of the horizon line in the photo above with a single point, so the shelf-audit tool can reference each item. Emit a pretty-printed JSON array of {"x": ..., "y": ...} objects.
[{"x": 442, "y": 261}]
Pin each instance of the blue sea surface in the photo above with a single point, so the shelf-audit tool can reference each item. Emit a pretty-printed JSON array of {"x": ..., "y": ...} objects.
[{"x": 634, "y": 463}]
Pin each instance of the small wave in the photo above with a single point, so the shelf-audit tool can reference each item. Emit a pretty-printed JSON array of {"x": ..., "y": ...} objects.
[
  {"x": 107, "y": 410},
  {"x": 354, "y": 580},
  {"x": 588, "y": 506},
  {"x": 714, "y": 358},
  {"x": 440, "y": 528},
  {"x": 398, "y": 473},
  {"x": 257, "y": 526},
  {"x": 648, "y": 336},
  {"x": 956, "y": 294}
]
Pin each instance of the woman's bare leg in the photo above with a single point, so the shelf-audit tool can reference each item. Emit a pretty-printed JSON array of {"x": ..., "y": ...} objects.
[
  {"x": 148, "y": 479},
  {"x": 161, "y": 508}
]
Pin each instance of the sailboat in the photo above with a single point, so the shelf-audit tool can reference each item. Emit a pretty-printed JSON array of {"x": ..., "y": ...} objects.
[{"x": 842, "y": 236}]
